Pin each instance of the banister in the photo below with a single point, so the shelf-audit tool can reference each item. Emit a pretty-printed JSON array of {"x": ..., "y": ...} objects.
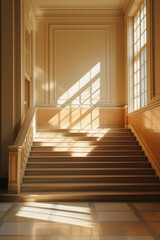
[{"x": 19, "y": 152}]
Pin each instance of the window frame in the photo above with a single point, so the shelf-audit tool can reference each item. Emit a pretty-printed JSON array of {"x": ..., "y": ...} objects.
[
  {"x": 140, "y": 36},
  {"x": 129, "y": 19}
]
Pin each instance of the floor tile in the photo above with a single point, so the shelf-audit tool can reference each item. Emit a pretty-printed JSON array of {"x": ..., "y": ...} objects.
[
  {"x": 156, "y": 226},
  {"x": 74, "y": 206},
  {"x": 151, "y": 216},
  {"x": 23, "y": 238},
  {"x": 5, "y": 206},
  {"x": 37, "y": 205},
  {"x": 22, "y": 216},
  {"x": 61, "y": 229},
  {"x": 112, "y": 206},
  {"x": 151, "y": 206},
  {"x": 24, "y": 229},
  {"x": 74, "y": 238},
  {"x": 1, "y": 214},
  {"x": 128, "y": 238},
  {"x": 121, "y": 229},
  {"x": 117, "y": 216}
]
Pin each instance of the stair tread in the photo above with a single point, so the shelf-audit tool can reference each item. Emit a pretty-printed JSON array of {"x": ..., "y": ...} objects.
[
  {"x": 90, "y": 176},
  {"x": 30, "y": 169},
  {"x": 129, "y": 156},
  {"x": 91, "y": 146},
  {"x": 36, "y": 163},
  {"x": 35, "y": 140},
  {"x": 123, "y": 150},
  {"x": 92, "y": 193},
  {"x": 76, "y": 129},
  {"x": 92, "y": 184}
]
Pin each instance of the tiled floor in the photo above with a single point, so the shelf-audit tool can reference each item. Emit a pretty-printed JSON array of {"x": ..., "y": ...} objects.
[{"x": 79, "y": 221}]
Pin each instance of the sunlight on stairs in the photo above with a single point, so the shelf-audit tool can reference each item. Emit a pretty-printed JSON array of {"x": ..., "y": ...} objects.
[{"x": 93, "y": 164}]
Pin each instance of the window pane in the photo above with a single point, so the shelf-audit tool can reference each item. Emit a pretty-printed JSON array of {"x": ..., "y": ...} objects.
[
  {"x": 138, "y": 104},
  {"x": 135, "y": 23},
  {"x": 142, "y": 72},
  {"x": 145, "y": 26},
  {"x": 135, "y": 66},
  {"x": 138, "y": 89},
  {"x": 142, "y": 26},
  {"x": 138, "y": 18},
  {"x": 145, "y": 99},
  {"x": 138, "y": 76},
  {"x": 142, "y": 100},
  {"x": 135, "y": 104},
  {"x": 142, "y": 12},
  {"x": 145, "y": 84},
  {"x": 142, "y": 86},
  {"x": 145, "y": 69},
  {"x": 145, "y": 54},
  {"x": 144, "y": 7},
  {"x": 142, "y": 57}
]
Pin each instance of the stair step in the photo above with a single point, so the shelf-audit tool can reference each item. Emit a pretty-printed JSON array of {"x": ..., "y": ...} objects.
[
  {"x": 86, "y": 158},
  {"x": 88, "y": 171},
  {"x": 85, "y": 148},
  {"x": 96, "y": 130},
  {"x": 90, "y": 178},
  {"x": 50, "y": 136},
  {"x": 54, "y": 142},
  {"x": 89, "y": 164},
  {"x": 88, "y": 153},
  {"x": 46, "y": 187},
  {"x": 144, "y": 196},
  {"x": 81, "y": 134},
  {"x": 98, "y": 164}
]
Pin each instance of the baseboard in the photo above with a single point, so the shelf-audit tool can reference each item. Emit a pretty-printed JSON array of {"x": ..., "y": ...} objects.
[{"x": 146, "y": 150}]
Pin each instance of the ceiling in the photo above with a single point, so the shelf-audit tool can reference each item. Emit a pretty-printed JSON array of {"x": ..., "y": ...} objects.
[{"x": 83, "y": 4}]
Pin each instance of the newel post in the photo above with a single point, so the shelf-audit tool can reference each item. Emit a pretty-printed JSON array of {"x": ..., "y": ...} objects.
[{"x": 15, "y": 155}]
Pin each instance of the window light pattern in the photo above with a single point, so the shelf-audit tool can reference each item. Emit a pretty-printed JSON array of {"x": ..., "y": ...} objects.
[{"x": 140, "y": 58}]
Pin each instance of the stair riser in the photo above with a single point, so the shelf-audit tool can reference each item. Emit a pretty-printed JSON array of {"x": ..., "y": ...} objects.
[
  {"x": 100, "y": 187},
  {"x": 85, "y": 148},
  {"x": 81, "y": 154},
  {"x": 92, "y": 180},
  {"x": 81, "y": 196},
  {"x": 89, "y": 165},
  {"x": 101, "y": 135},
  {"x": 88, "y": 159},
  {"x": 83, "y": 143},
  {"x": 60, "y": 139},
  {"x": 104, "y": 130},
  {"x": 89, "y": 172}
]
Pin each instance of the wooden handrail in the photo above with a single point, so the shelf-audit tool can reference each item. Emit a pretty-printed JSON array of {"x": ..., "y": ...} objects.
[{"x": 19, "y": 152}]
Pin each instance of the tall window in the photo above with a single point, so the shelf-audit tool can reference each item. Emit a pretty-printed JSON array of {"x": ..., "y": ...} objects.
[{"x": 140, "y": 58}]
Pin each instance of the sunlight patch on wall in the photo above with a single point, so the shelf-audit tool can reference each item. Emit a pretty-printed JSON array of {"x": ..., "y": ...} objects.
[
  {"x": 85, "y": 92},
  {"x": 76, "y": 118}
]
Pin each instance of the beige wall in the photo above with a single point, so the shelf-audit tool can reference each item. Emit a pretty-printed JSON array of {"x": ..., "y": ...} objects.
[
  {"x": 147, "y": 121},
  {"x": 147, "y": 125},
  {"x": 80, "y": 64},
  {"x": 80, "y": 118}
]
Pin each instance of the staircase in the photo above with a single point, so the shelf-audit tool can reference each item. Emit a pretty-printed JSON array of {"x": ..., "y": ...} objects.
[{"x": 95, "y": 164}]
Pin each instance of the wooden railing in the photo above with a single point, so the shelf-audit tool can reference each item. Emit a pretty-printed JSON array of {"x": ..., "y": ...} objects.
[{"x": 19, "y": 152}]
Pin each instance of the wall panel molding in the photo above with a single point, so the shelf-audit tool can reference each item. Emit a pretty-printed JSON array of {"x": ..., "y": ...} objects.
[
  {"x": 54, "y": 30},
  {"x": 51, "y": 46}
]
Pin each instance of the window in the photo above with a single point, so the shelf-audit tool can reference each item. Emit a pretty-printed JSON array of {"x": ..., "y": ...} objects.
[{"x": 140, "y": 58}]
